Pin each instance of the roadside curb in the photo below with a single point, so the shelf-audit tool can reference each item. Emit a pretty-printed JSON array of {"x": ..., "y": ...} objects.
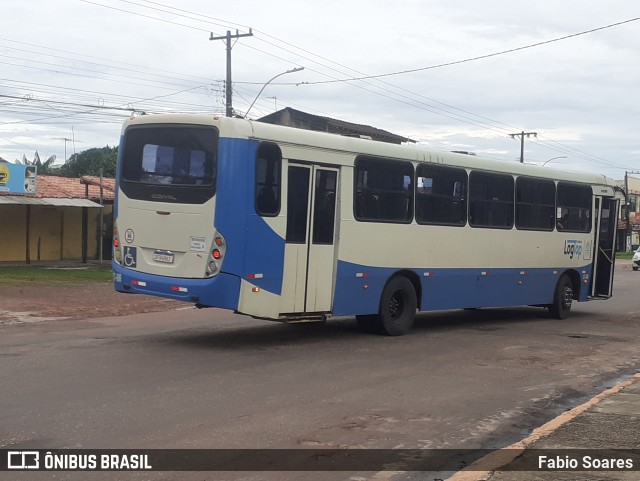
[{"x": 483, "y": 468}]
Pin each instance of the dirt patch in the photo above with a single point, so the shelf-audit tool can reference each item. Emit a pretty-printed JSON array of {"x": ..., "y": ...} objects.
[{"x": 77, "y": 301}]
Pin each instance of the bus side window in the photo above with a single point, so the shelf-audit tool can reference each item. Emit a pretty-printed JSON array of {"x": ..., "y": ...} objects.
[
  {"x": 267, "y": 187},
  {"x": 535, "y": 204},
  {"x": 441, "y": 195},
  {"x": 383, "y": 190},
  {"x": 574, "y": 207},
  {"x": 491, "y": 200}
]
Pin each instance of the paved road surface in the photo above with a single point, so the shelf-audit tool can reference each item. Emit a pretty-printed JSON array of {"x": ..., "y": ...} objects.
[{"x": 210, "y": 379}]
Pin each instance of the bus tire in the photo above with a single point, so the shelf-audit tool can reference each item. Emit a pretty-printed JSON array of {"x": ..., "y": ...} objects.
[
  {"x": 562, "y": 298},
  {"x": 397, "y": 307}
]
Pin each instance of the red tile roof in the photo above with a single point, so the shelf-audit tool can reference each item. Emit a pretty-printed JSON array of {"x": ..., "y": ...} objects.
[{"x": 52, "y": 186}]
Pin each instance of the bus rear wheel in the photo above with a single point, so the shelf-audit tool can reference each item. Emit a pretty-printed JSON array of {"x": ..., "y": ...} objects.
[
  {"x": 397, "y": 307},
  {"x": 562, "y": 298}
]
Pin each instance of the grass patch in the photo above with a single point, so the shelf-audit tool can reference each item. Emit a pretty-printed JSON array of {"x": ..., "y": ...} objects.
[
  {"x": 624, "y": 255},
  {"x": 46, "y": 275}
]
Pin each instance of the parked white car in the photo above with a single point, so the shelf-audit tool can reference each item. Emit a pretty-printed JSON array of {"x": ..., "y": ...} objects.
[{"x": 635, "y": 262}]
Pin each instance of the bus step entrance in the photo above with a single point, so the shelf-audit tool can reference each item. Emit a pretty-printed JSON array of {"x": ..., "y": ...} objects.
[{"x": 299, "y": 318}]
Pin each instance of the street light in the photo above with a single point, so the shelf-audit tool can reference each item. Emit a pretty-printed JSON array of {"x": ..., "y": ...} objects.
[
  {"x": 554, "y": 158},
  {"x": 297, "y": 69}
]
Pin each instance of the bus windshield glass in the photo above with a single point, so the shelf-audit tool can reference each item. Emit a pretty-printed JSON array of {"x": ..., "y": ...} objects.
[{"x": 170, "y": 163}]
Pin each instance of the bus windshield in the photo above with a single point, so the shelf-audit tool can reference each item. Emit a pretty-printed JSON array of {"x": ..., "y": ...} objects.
[{"x": 170, "y": 163}]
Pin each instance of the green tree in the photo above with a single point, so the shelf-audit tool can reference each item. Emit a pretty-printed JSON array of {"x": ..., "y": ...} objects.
[{"x": 89, "y": 162}]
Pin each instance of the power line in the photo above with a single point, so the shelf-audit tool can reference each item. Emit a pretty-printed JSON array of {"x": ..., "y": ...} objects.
[
  {"x": 566, "y": 149},
  {"x": 191, "y": 17},
  {"x": 83, "y": 95},
  {"x": 95, "y": 64},
  {"x": 137, "y": 66},
  {"x": 480, "y": 57},
  {"x": 59, "y": 68},
  {"x": 392, "y": 95},
  {"x": 147, "y": 16},
  {"x": 427, "y": 107},
  {"x": 94, "y": 108}
]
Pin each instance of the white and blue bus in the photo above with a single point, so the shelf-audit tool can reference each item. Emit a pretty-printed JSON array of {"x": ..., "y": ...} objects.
[{"x": 288, "y": 224}]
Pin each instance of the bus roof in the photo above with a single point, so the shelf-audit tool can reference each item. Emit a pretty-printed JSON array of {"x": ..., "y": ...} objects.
[{"x": 302, "y": 139}]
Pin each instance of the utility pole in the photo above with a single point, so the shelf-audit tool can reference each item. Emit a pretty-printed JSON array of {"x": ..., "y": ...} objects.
[
  {"x": 627, "y": 232},
  {"x": 65, "y": 146},
  {"x": 522, "y": 135},
  {"x": 227, "y": 38}
]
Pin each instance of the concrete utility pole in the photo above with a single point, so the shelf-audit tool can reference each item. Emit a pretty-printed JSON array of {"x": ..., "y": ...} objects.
[
  {"x": 227, "y": 38},
  {"x": 521, "y": 135},
  {"x": 627, "y": 232}
]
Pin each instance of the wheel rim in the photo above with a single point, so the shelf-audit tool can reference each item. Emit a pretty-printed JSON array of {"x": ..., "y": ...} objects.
[{"x": 396, "y": 305}]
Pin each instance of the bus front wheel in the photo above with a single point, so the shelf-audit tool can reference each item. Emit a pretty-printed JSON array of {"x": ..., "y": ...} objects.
[
  {"x": 397, "y": 307},
  {"x": 562, "y": 298}
]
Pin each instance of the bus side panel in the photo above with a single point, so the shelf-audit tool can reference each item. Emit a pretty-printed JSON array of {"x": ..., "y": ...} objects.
[
  {"x": 118, "y": 175},
  {"x": 359, "y": 288},
  {"x": 468, "y": 288},
  {"x": 255, "y": 252},
  {"x": 231, "y": 199}
]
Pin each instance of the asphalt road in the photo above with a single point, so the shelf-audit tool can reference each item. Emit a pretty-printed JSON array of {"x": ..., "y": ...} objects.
[{"x": 193, "y": 378}]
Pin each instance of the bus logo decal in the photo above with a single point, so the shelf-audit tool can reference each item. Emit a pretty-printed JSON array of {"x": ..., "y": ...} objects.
[
  {"x": 161, "y": 197},
  {"x": 573, "y": 248},
  {"x": 129, "y": 236},
  {"x": 23, "y": 460}
]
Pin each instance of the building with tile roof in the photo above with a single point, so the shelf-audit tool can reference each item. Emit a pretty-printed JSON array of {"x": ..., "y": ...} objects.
[
  {"x": 66, "y": 219},
  {"x": 303, "y": 120}
]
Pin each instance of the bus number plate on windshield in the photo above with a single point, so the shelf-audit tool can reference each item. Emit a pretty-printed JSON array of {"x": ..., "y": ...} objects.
[{"x": 163, "y": 256}]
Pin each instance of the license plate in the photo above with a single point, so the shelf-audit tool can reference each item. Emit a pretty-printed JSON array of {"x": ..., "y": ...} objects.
[{"x": 163, "y": 256}]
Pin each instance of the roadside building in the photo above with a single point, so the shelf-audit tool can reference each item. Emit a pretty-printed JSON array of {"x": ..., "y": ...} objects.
[
  {"x": 303, "y": 120},
  {"x": 633, "y": 185},
  {"x": 66, "y": 219}
]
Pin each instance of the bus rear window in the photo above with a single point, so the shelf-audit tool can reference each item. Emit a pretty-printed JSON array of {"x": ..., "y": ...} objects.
[
  {"x": 170, "y": 165},
  {"x": 173, "y": 163}
]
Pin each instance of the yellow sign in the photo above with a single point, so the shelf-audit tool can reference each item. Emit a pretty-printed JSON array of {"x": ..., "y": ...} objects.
[{"x": 4, "y": 174}]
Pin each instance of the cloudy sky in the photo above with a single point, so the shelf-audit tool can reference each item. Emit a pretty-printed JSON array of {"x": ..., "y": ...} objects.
[{"x": 569, "y": 71}]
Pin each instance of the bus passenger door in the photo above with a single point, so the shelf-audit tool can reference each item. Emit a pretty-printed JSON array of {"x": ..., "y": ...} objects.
[
  {"x": 605, "y": 242},
  {"x": 309, "y": 260}
]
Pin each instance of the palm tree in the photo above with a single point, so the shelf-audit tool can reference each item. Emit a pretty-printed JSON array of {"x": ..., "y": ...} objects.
[{"x": 43, "y": 167}]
